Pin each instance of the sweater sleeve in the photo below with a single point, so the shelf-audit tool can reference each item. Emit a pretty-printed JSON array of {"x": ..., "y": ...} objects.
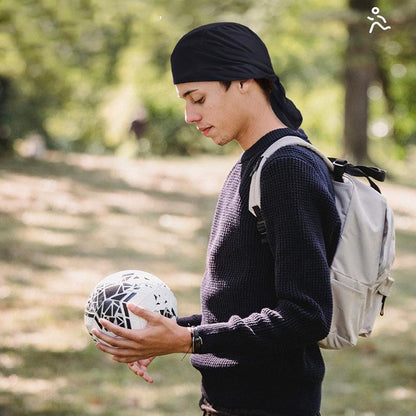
[
  {"x": 193, "y": 320},
  {"x": 301, "y": 220}
]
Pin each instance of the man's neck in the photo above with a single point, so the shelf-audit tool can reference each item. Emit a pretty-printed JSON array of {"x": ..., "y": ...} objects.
[{"x": 258, "y": 126}]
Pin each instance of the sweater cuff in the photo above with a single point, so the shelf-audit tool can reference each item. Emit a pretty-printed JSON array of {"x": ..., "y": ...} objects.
[
  {"x": 216, "y": 338},
  {"x": 193, "y": 320}
]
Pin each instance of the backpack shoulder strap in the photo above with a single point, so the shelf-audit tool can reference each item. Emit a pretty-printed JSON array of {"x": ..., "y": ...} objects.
[{"x": 254, "y": 196}]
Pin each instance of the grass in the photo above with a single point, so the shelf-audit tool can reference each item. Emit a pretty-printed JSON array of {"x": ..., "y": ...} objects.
[{"x": 69, "y": 220}]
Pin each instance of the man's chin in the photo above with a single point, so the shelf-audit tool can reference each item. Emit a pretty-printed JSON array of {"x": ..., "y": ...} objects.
[{"x": 221, "y": 141}]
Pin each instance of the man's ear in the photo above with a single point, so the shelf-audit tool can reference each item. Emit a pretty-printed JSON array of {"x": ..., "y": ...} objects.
[{"x": 244, "y": 85}]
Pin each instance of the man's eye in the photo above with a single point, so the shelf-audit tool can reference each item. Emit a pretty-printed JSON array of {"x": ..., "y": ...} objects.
[{"x": 200, "y": 101}]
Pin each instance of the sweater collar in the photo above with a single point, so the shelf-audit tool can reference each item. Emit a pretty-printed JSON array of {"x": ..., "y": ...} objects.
[{"x": 262, "y": 144}]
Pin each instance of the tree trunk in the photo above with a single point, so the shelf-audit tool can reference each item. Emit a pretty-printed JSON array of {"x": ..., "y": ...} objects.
[
  {"x": 6, "y": 143},
  {"x": 360, "y": 69}
]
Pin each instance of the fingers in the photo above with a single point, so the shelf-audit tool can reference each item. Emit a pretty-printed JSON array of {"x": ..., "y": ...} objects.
[
  {"x": 110, "y": 340},
  {"x": 143, "y": 313},
  {"x": 122, "y": 335},
  {"x": 115, "y": 329},
  {"x": 141, "y": 373},
  {"x": 127, "y": 333},
  {"x": 159, "y": 337},
  {"x": 140, "y": 369},
  {"x": 123, "y": 350},
  {"x": 118, "y": 352}
]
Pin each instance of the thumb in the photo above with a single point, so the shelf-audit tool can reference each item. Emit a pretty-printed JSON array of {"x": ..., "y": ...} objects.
[{"x": 139, "y": 311}]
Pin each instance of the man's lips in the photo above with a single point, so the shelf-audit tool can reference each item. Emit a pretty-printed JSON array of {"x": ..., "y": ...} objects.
[{"x": 205, "y": 130}]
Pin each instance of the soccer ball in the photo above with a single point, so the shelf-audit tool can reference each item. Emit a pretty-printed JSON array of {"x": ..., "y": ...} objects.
[{"x": 110, "y": 297}]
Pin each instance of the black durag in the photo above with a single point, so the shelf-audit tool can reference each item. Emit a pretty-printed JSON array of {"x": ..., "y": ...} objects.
[{"x": 227, "y": 52}]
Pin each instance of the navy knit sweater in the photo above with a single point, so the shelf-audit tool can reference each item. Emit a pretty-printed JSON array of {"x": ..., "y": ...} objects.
[{"x": 265, "y": 307}]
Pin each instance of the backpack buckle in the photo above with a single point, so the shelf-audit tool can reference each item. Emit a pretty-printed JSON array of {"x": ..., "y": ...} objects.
[
  {"x": 261, "y": 228},
  {"x": 261, "y": 225},
  {"x": 340, "y": 166}
]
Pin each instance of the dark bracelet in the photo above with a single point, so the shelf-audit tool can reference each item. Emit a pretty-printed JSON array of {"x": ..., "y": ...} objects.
[{"x": 196, "y": 341}]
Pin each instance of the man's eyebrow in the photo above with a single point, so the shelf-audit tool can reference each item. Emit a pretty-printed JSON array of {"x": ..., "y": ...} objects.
[{"x": 189, "y": 92}]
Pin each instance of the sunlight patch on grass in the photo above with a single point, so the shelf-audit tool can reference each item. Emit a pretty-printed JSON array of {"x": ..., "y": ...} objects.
[
  {"x": 180, "y": 224},
  {"x": 401, "y": 393},
  {"x": 396, "y": 320},
  {"x": 403, "y": 201},
  {"x": 404, "y": 261},
  {"x": 182, "y": 280},
  {"x": 10, "y": 361},
  {"x": 195, "y": 176},
  {"x": 53, "y": 220},
  {"x": 46, "y": 237},
  {"x": 53, "y": 336},
  {"x": 21, "y": 385}
]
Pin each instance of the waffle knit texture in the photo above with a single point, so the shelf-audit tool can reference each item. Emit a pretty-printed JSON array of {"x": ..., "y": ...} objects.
[{"x": 264, "y": 307}]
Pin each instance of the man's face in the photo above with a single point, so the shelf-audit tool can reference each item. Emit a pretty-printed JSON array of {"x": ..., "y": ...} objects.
[{"x": 216, "y": 111}]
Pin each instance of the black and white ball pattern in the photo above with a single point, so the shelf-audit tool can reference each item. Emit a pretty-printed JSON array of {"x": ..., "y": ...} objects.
[{"x": 110, "y": 297}]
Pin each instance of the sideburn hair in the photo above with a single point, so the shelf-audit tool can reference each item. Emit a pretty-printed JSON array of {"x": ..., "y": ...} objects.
[{"x": 265, "y": 84}]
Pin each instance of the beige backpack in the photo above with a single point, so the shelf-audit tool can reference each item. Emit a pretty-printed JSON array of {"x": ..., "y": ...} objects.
[{"x": 360, "y": 270}]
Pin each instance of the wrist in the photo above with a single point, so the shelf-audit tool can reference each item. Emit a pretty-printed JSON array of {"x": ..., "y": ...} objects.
[
  {"x": 187, "y": 344},
  {"x": 196, "y": 340}
]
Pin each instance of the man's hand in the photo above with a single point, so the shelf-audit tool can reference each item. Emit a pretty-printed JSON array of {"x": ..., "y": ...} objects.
[
  {"x": 140, "y": 369},
  {"x": 161, "y": 336}
]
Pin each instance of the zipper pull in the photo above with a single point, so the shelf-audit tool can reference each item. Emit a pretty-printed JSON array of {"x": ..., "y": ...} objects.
[{"x": 383, "y": 301}]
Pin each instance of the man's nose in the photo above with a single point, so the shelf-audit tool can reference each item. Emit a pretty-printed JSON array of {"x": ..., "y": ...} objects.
[{"x": 191, "y": 116}]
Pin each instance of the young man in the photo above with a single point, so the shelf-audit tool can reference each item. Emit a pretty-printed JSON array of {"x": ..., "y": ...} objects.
[{"x": 264, "y": 306}]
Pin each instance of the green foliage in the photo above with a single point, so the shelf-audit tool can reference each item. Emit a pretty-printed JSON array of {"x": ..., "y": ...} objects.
[
  {"x": 397, "y": 75},
  {"x": 78, "y": 72}
]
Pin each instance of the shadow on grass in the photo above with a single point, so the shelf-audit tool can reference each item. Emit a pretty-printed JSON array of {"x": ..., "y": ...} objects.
[
  {"x": 101, "y": 179},
  {"x": 406, "y": 241},
  {"x": 85, "y": 382},
  {"x": 95, "y": 179},
  {"x": 16, "y": 247}
]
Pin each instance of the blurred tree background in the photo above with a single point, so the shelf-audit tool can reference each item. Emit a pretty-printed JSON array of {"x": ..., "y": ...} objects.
[
  {"x": 74, "y": 74},
  {"x": 78, "y": 72}
]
